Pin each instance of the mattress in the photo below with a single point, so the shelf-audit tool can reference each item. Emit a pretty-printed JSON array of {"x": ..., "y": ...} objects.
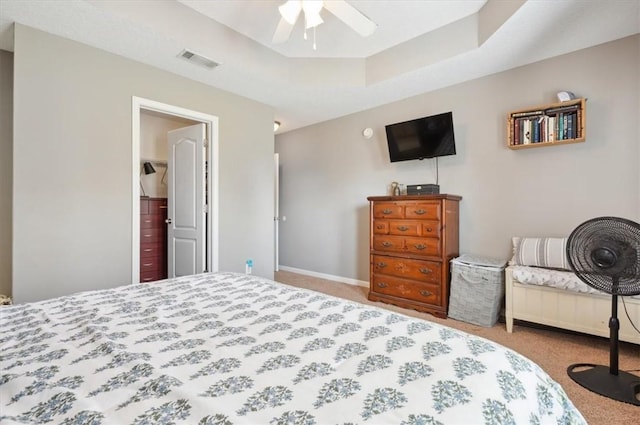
[{"x": 225, "y": 348}]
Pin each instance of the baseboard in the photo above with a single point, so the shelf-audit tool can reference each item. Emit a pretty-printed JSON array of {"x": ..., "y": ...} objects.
[{"x": 340, "y": 279}]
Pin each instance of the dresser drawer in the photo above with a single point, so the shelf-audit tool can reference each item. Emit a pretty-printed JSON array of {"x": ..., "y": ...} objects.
[
  {"x": 425, "y": 271},
  {"x": 388, "y": 210},
  {"x": 380, "y": 227},
  {"x": 152, "y": 249},
  {"x": 152, "y": 221},
  {"x": 152, "y": 235},
  {"x": 151, "y": 275},
  {"x": 388, "y": 243},
  {"x": 404, "y": 227},
  {"x": 422, "y": 246},
  {"x": 406, "y": 289},
  {"x": 430, "y": 228},
  {"x": 423, "y": 210},
  {"x": 157, "y": 206},
  {"x": 151, "y": 264}
]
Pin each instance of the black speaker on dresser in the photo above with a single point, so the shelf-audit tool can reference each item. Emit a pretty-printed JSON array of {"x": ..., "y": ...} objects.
[{"x": 423, "y": 189}]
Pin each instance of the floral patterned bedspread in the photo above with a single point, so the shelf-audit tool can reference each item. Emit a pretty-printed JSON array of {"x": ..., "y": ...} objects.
[{"x": 227, "y": 348}]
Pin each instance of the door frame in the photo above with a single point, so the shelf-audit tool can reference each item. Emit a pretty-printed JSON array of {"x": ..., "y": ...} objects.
[{"x": 139, "y": 104}]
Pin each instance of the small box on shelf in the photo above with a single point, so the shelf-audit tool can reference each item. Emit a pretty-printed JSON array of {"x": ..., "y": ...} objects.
[{"x": 547, "y": 125}]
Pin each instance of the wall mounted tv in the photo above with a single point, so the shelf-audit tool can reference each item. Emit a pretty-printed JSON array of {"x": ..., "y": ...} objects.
[{"x": 421, "y": 138}]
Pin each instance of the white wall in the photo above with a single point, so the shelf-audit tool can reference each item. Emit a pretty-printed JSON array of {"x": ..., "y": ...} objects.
[
  {"x": 72, "y": 127},
  {"x": 6, "y": 170},
  {"x": 329, "y": 169}
]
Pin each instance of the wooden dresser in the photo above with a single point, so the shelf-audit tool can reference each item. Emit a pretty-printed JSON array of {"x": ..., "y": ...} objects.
[
  {"x": 412, "y": 240},
  {"x": 153, "y": 239}
]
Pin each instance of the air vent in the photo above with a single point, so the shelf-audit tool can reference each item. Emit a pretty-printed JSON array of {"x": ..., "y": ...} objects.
[{"x": 194, "y": 57}]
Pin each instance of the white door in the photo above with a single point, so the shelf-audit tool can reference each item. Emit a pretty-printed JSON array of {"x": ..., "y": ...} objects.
[{"x": 186, "y": 201}]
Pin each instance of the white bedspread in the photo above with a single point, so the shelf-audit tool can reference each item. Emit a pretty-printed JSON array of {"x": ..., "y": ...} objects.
[{"x": 234, "y": 349}]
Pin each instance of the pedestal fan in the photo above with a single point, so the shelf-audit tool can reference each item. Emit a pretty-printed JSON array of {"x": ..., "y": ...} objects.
[{"x": 604, "y": 253}]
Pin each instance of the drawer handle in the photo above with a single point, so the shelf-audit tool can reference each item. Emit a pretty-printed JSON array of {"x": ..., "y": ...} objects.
[
  {"x": 147, "y": 221},
  {"x": 420, "y": 211},
  {"x": 148, "y": 250},
  {"x": 147, "y": 236},
  {"x": 147, "y": 279},
  {"x": 403, "y": 228},
  {"x": 387, "y": 244},
  {"x": 429, "y": 229},
  {"x": 425, "y": 293},
  {"x": 426, "y": 271},
  {"x": 420, "y": 246},
  {"x": 382, "y": 265},
  {"x": 379, "y": 226},
  {"x": 163, "y": 207},
  {"x": 387, "y": 211},
  {"x": 382, "y": 285},
  {"x": 147, "y": 264}
]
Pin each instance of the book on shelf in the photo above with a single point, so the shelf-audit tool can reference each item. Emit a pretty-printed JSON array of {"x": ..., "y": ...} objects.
[
  {"x": 527, "y": 114},
  {"x": 558, "y": 109},
  {"x": 526, "y": 132},
  {"x": 572, "y": 122},
  {"x": 579, "y": 123},
  {"x": 551, "y": 128},
  {"x": 535, "y": 138}
]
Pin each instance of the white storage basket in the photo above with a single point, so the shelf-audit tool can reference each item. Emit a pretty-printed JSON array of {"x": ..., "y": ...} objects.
[{"x": 477, "y": 290}]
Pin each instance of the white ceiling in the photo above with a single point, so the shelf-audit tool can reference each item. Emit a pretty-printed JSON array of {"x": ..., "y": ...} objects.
[{"x": 417, "y": 47}]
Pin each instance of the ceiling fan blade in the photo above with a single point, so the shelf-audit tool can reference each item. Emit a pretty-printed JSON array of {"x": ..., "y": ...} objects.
[
  {"x": 283, "y": 31},
  {"x": 351, "y": 16}
]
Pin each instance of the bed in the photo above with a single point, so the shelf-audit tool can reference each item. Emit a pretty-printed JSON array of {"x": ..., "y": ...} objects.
[
  {"x": 540, "y": 288},
  {"x": 226, "y": 348}
]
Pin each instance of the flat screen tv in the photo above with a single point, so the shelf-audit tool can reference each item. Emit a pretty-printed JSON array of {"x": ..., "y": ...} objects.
[{"x": 421, "y": 138}]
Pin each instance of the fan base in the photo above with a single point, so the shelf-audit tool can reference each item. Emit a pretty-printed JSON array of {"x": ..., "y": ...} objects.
[{"x": 623, "y": 387}]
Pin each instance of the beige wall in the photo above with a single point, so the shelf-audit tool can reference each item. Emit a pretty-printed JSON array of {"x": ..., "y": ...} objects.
[
  {"x": 72, "y": 127},
  {"x": 329, "y": 169},
  {"x": 6, "y": 170}
]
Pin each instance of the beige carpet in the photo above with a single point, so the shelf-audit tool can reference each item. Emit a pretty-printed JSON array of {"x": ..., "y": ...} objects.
[{"x": 553, "y": 350}]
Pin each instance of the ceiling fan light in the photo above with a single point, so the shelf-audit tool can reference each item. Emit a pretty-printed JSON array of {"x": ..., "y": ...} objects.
[
  {"x": 312, "y": 10},
  {"x": 290, "y": 11},
  {"x": 312, "y": 21}
]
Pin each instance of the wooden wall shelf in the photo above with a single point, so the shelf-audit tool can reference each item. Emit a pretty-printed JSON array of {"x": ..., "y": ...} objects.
[{"x": 547, "y": 125}]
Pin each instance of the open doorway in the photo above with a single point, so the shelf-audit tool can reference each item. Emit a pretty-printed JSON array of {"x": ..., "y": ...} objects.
[{"x": 157, "y": 118}]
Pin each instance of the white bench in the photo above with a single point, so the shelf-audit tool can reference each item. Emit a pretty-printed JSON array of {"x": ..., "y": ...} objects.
[{"x": 565, "y": 309}]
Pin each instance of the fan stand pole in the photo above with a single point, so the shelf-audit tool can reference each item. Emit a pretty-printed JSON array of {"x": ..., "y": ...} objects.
[{"x": 614, "y": 331}]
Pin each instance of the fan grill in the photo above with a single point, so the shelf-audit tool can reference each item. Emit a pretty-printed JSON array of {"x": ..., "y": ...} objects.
[{"x": 604, "y": 253}]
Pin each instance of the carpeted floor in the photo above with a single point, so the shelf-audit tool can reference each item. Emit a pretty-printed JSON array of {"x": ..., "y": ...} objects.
[{"x": 553, "y": 350}]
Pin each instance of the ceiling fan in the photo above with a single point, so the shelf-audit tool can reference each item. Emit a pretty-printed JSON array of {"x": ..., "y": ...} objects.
[{"x": 290, "y": 11}]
